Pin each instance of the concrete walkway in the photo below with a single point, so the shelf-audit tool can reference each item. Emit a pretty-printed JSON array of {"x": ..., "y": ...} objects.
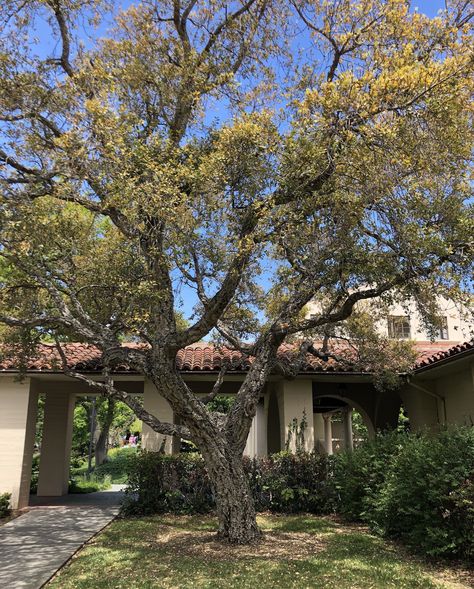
[{"x": 35, "y": 545}]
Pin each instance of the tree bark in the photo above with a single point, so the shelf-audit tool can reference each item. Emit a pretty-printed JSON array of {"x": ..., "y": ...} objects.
[
  {"x": 235, "y": 504},
  {"x": 101, "y": 446}
]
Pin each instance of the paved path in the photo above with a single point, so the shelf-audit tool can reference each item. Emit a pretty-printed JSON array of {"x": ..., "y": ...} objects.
[{"x": 35, "y": 545}]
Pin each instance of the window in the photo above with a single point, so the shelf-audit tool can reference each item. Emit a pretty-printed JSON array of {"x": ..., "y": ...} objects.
[
  {"x": 399, "y": 327},
  {"x": 443, "y": 330}
]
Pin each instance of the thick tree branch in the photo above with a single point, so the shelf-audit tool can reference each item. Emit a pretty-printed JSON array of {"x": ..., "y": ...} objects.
[{"x": 108, "y": 389}]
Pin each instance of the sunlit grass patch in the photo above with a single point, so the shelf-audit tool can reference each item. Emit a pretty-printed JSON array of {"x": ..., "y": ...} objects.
[{"x": 298, "y": 552}]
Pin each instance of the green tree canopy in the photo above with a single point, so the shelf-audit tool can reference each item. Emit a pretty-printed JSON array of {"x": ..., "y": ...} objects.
[{"x": 193, "y": 143}]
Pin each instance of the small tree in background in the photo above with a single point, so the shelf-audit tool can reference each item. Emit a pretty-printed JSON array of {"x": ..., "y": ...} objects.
[{"x": 189, "y": 145}]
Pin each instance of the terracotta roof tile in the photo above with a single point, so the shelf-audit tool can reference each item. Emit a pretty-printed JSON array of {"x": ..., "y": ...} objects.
[
  {"x": 202, "y": 357},
  {"x": 443, "y": 354}
]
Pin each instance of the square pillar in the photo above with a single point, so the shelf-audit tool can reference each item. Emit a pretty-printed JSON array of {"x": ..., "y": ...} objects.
[
  {"x": 257, "y": 438},
  {"x": 318, "y": 423},
  {"x": 295, "y": 401},
  {"x": 53, "y": 480},
  {"x": 158, "y": 406},
  {"x": 18, "y": 412}
]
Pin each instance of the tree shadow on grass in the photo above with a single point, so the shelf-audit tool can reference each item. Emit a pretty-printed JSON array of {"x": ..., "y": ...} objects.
[{"x": 183, "y": 552}]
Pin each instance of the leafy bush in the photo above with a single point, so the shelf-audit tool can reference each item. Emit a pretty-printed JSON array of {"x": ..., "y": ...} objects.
[
  {"x": 291, "y": 483},
  {"x": 284, "y": 482},
  {"x": 34, "y": 473},
  {"x": 158, "y": 483},
  {"x": 427, "y": 499},
  {"x": 5, "y": 504},
  {"x": 360, "y": 474}
]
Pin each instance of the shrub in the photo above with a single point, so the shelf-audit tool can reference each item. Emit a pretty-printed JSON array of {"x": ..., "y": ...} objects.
[
  {"x": 427, "y": 499},
  {"x": 284, "y": 482},
  {"x": 5, "y": 504},
  {"x": 291, "y": 483},
  {"x": 360, "y": 474},
  {"x": 158, "y": 483},
  {"x": 34, "y": 473},
  {"x": 89, "y": 483}
]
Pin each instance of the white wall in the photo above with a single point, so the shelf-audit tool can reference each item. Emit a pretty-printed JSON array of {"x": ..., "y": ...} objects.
[{"x": 460, "y": 324}]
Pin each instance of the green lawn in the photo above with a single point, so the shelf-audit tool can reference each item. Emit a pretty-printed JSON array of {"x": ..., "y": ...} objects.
[
  {"x": 297, "y": 552},
  {"x": 114, "y": 471}
]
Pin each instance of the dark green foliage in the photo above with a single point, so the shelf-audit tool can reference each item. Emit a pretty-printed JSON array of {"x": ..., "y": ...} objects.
[
  {"x": 427, "y": 499},
  {"x": 292, "y": 483},
  {"x": 5, "y": 504},
  {"x": 158, "y": 483},
  {"x": 286, "y": 483},
  {"x": 221, "y": 404},
  {"x": 417, "y": 488},
  {"x": 359, "y": 475},
  {"x": 34, "y": 473}
]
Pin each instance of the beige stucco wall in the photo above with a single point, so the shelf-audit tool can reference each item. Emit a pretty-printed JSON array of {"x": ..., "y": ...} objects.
[
  {"x": 318, "y": 426},
  {"x": 458, "y": 390},
  {"x": 439, "y": 396},
  {"x": 56, "y": 444},
  {"x": 422, "y": 409},
  {"x": 295, "y": 398},
  {"x": 257, "y": 439},
  {"x": 460, "y": 322},
  {"x": 160, "y": 408},
  {"x": 18, "y": 410}
]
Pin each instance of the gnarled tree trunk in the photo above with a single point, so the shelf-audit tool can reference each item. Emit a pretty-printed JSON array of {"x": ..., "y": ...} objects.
[{"x": 235, "y": 504}]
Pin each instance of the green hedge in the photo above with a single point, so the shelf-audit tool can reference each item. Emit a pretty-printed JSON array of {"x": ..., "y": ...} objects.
[
  {"x": 359, "y": 475},
  {"x": 158, "y": 483},
  {"x": 5, "y": 504},
  {"x": 416, "y": 488},
  {"x": 284, "y": 483},
  {"x": 292, "y": 483},
  {"x": 427, "y": 499}
]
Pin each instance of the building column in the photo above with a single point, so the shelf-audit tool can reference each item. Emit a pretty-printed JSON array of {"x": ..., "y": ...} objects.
[
  {"x": 158, "y": 406},
  {"x": 328, "y": 433},
  {"x": 295, "y": 401},
  {"x": 318, "y": 423},
  {"x": 18, "y": 411},
  {"x": 257, "y": 438},
  {"x": 53, "y": 479},
  {"x": 347, "y": 424}
]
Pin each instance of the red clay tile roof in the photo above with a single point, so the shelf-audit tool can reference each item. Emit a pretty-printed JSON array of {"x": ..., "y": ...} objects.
[
  {"x": 204, "y": 357},
  {"x": 442, "y": 355}
]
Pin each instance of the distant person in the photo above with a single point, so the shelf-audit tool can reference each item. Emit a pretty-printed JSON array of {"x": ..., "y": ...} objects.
[{"x": 126, "y": 438}]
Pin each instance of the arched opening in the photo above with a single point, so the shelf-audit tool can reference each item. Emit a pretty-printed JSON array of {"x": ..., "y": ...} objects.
[{"x": 339, "y": 423}]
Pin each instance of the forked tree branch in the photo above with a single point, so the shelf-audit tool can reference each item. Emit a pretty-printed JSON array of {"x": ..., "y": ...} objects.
[{"x": 108, "y": 389}]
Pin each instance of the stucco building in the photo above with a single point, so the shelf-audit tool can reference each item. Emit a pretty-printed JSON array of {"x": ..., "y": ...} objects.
[{"x": 439, "y": 391}]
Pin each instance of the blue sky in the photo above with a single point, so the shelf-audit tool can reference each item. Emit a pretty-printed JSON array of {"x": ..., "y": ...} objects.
[{"x": 186, "y": 295}]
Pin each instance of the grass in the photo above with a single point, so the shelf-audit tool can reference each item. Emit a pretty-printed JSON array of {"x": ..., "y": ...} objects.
[
  {"x": 114, "y": 471},
  {"x": 89, "y": 483},
  {"x": 297, "y": 552},
  {"x": 115, "y": 468}
]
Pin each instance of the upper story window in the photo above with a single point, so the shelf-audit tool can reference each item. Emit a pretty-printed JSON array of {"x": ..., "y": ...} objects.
[
  {"x": 443, "y": 330},
  {"x": 399, "y": 327}
]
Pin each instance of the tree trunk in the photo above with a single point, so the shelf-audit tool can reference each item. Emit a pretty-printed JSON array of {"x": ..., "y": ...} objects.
[
  {"x": 235, "y": 504},
  {"x": 101, "y": 446}
]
